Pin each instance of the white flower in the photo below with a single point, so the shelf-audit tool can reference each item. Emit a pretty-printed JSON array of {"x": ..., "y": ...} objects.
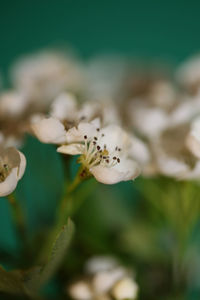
[
  {"x": 104, "y": 280},
  {"x": 64, "y": 107},
  {"x": 150, "y": 122},
  {"x": 188, "y": 73},
  {"x": 44, "y": 75},
  {"x": 100, "y": 263},
  {"x": 49, "y": 130},
  {"x": 105, "y": 153},
  {"x": 172, "y": 156},
  {"x": 81, "y": 290},
  {"x": 126, "y": 288},
  {"x": 12, "y": 104},
  {"x": 12, "y": 167},
  {"x": 193, "y": 139}
]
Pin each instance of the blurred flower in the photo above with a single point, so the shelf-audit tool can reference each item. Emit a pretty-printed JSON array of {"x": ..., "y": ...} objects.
[
  {"x": 105, "y": 153},
  {"x": 188, "y": 74},
  {"x": 14, "y": 113},
  {"x": 12, "y": 167},
  {"x": 44, "y": 75},
  {"x": 126, "y": 288},
  {"x": 66, "y": 113},
  {"x": 49, "y": 130},
  {"x": 172, "y": 155},
  {"x": 104, "y": 283},
  {"x": 149, "y": 114},
  {"x": 193, "y": 139}
]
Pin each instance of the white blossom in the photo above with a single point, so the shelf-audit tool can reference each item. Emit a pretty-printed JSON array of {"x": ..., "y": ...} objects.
[
  {"x": 105, "y": 153},
  {"x": 193, "y": 139},
  {"x": 12, "y": 167},
  {"x": 126, "y": 288},
  {"x": 49, "y": 130},
  {"x": 102, "y": 281},
  {"x": 44, "y": 75}
]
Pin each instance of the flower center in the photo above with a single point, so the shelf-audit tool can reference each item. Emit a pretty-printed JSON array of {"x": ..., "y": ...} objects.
[
  {"x": 4, "y": 170},
  {"x": 94, "y": 154}
]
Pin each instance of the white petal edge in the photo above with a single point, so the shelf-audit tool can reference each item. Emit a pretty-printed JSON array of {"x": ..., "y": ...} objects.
[
  {"x": 49, "y": 130},
  {"x": 72, "y": 149},
  {"x": 113, "y": 175},
  {"x": 22, "y": 166}
]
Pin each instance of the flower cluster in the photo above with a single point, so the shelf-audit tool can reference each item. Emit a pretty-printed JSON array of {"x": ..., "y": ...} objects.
[
  {"x": 119, "y": 120},
  {"x": 104, "y": 279}
]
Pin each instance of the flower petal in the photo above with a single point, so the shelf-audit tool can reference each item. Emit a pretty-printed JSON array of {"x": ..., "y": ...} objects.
[
  {"x": 139, "y": 151},
  {"x": 49, "y": 130},
  {"x": 22, "y": 165},
  {"x": 72, "y": 149},
  {"x": 126, "y": 170},
  {"x": 9, "y": 184},
  {"x": 64, "y": 107},
  {"x": 76, "y": 134}
]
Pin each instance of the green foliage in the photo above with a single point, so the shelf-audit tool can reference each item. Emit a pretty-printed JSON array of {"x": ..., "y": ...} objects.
[
  {"x": 30, "y": 282},
  {"x": 37, "y": 278},
  {"x": 11, "y": 282}
]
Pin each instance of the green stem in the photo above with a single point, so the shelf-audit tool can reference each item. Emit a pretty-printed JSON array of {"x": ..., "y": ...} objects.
[
  {"x": 65, "y": 210},
  {"x": 18, "y": 216}
]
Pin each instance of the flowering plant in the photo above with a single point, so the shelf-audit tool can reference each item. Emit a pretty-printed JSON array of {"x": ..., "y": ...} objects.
[{"x": 117, "y": 151}]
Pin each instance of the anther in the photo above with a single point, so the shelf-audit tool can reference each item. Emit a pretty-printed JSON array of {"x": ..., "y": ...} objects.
[
  {"x": 119, "y": 149},
  {"x": 118, "y": 160},
  {"x": 103, "y": 135},
  {"x": 107, "y": 160},
  {"x": 85, "y": 137},
  {"x": 98, "y": 129},
  {"x": 104, "y": 146},
  {"x": 116, "y": 148},
  {"x": 98, "y": 147},
  {"x": 95, "y": 138},
  {"x": 114, "y": 157},
  {"x": 94, "y": 143}
]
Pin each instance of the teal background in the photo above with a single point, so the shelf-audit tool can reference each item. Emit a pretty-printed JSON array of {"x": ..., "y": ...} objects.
[{"x": 152, "y": 28}]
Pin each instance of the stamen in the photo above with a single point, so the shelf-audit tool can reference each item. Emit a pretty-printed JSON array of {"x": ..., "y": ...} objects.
[
  {"x": 118, "y": 160},
  {"x": 85, "y": 137}
]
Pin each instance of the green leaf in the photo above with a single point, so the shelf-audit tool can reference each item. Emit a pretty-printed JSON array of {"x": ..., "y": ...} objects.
[
  {"x": 11, "y": 282},
  {"x": 39, "y": 276}
]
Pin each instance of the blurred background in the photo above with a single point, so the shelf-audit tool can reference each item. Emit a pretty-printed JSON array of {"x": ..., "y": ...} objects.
[{"x": 163, "y": 30}]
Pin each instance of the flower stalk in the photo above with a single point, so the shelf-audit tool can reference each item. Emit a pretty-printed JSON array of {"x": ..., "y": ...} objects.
[{"x": 18, "y": 216}]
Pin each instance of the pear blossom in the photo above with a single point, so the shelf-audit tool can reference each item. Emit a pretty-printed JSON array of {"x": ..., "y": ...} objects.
[
  {"x": 12, "y": 167},
  {"x": 42, "y": 76},
  {"x": 188, "y": 74},
  {"x": 193, "y": 139},
  {"x": 152, "y": 106},
  {"x": 172, "y": 156},
  {"x": 104, "y": 152},
  {"x": 48, "y": 130},
  {"x": 65, "y": 113},
  {"x": 126, "y": 288},
  {"x": 14, "y": 108},
  {"x": 100, "y": 283},
  {"x": 13, "y": 104}
]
